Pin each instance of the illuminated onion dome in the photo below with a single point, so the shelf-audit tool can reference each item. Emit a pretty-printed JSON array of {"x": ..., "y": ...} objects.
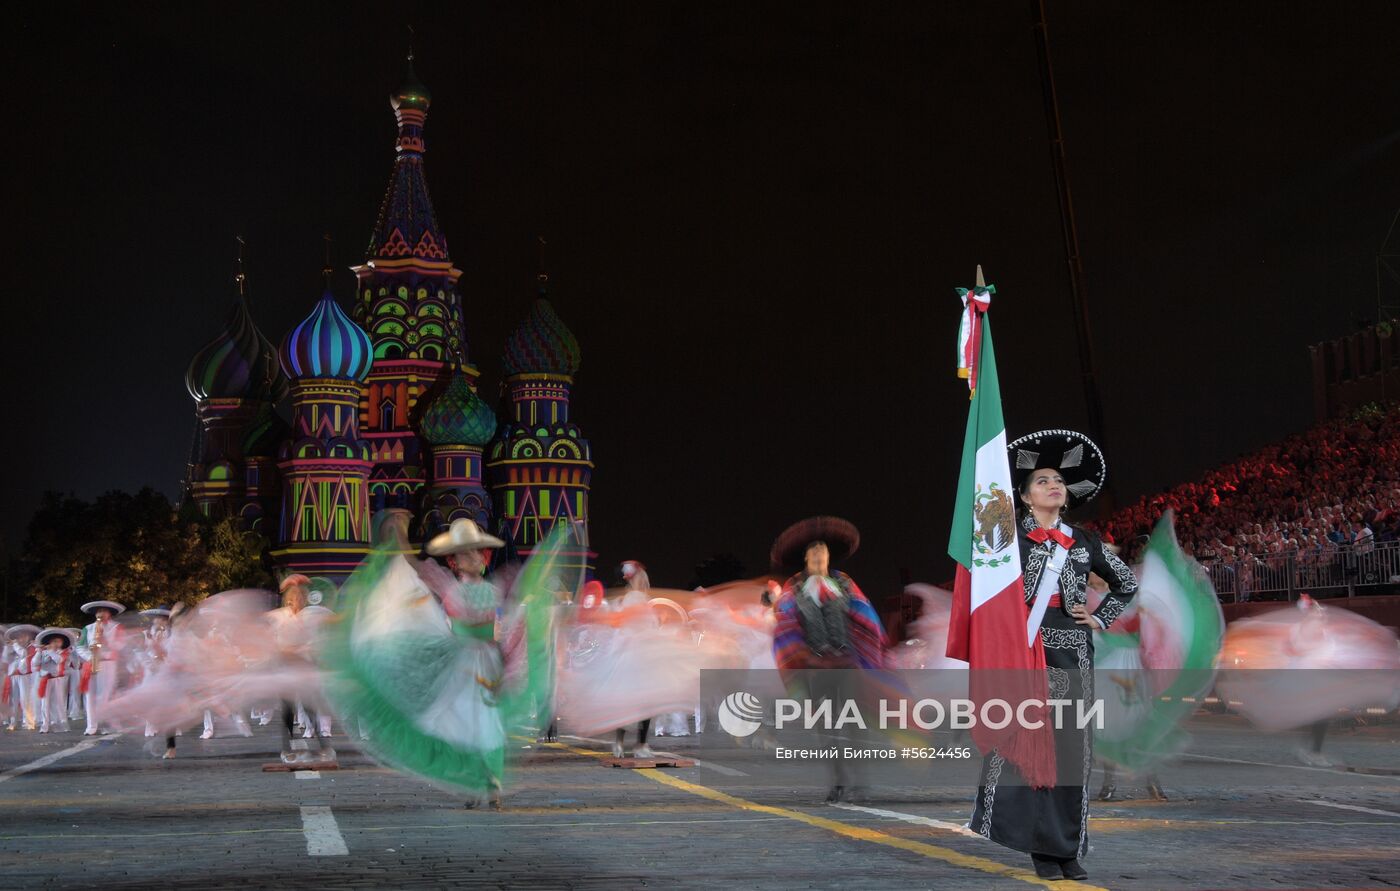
[
  {"x": 238, "y": 364},
  {"x": 327, "y": 344},
  {"x": 542, "y": 344},
  {"x": 411, "y": 93},
  {"x": 458, "y": 416}
]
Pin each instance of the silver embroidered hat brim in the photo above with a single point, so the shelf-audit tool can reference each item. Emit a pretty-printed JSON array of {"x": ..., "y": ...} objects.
[{"x": 1078, "y": 459}]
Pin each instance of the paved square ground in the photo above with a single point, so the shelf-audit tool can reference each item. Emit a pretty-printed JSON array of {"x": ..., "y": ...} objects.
[{"x": 106, "y": 813}]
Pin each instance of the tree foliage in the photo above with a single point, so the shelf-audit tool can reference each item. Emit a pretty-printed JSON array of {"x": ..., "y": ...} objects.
[{"x": 136, "y": 549}]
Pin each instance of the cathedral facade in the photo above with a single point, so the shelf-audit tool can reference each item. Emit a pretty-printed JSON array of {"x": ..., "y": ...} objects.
[{"x": 355, "y": 412}]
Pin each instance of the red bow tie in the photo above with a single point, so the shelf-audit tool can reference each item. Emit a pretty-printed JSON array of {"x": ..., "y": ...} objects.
[{"x": 1042, "y": 535}]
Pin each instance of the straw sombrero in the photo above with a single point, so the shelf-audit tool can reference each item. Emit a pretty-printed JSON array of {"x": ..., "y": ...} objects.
[{"x": 462, "y": 536}]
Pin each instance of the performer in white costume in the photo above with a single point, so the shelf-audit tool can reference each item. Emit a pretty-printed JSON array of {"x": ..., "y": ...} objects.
[
  {"x": 100, "y": 648},
  {"x": 51, "y": 665},
  {"x": 19, "y": 655},
  {"x": 155, "y": 647}
]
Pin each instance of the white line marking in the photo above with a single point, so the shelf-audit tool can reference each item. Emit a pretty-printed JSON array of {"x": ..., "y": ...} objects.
[
  {"x": 909, "y": 818},
  {"x": 45, "y": 761},
  {"x": 323, "y": 838},
  {"x": 1348, "y": 807},
  {"x": 307, "y": 774},
  {"x": 720, "y": 768},
  {"x": 1345, "y": 773}
]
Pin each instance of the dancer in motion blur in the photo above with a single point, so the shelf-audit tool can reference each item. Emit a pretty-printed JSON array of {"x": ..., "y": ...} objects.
[
  {"x": 292, "y": 631},
  {"x": 155, "y": 647},
  {"x": 1349, "y": 664},
  {"x": 634, "y": 574},
  {"x": 824, "y": 621},
  {"x": 1156, "y": 663},
  {"x": 414, "y": 656}
]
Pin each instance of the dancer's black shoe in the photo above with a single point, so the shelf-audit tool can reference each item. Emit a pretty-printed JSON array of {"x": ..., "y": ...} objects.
[
  {"x": 1072, "y": 870},
  {"x": 1046, "y": 867},
  {"x": 835, "y": 794}
]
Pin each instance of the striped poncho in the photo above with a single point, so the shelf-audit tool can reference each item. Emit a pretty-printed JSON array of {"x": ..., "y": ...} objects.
[{"x": 865, "y": 636}]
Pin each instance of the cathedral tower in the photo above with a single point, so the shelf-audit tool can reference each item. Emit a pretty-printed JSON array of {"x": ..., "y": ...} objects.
[
  {"x": 234, "y": 381},
  {"x": 540, "y": 467},
  {"x": 408, "y": 303},
  {"x": 456, "y": 425},
  {"x": 325, "y": 465}
]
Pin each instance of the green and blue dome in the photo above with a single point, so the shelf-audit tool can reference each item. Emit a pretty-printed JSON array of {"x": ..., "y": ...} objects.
[
  {"x": 327, "y": 344},
  {"x": 458, "y": 416}
]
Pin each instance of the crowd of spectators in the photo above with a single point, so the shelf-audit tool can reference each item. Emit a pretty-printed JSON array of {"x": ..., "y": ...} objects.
[{"x": 1330, "y": 489}]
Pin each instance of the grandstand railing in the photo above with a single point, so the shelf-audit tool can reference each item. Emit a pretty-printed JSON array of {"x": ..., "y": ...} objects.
[{"x": 1343, "y": 572}]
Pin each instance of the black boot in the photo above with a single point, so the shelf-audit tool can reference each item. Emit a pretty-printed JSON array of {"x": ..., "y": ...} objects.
[
  {"x": 1072, "y": 869},
  {"x": 835, "y": 794},
  {"x": 1107, "y": 791},
  {"x": 1046, "y": 867}
]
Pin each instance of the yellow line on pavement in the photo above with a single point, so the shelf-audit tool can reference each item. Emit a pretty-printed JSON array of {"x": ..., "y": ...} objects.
[{"x": 859, "y": 833}]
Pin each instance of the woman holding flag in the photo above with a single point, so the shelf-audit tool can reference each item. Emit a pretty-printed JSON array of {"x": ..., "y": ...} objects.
[
  {"x": 1027, "y": 635},
  {"x": 1054, "y": 470}
]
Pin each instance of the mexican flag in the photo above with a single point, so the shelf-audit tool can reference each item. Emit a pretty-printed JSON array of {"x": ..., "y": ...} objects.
[{"x": 988, "y": 625}]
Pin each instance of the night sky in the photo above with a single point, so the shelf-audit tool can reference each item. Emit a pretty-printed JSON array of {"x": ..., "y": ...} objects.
[{"x": 755, "y": 222}]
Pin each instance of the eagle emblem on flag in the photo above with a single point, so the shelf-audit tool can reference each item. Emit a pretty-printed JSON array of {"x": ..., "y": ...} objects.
[{"x": 996, "y": 524}]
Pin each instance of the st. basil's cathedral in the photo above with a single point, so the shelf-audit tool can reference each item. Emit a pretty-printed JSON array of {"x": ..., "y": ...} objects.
[{"x": 384, "y": 406}]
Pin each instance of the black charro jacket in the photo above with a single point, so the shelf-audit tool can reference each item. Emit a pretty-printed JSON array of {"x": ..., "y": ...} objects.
[{"x": 1089, "y": 554}]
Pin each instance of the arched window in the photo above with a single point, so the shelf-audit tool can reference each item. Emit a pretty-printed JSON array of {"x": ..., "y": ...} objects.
[{"x": 386, "y": 414}]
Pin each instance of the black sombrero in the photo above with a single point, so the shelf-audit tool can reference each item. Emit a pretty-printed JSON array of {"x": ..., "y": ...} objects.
[
  {"x": 840, "y": 536},
  {"x": 1073, "y": 454}
]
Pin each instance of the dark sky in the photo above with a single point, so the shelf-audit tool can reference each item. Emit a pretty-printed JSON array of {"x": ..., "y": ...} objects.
[{"x": 756, "y": 218}]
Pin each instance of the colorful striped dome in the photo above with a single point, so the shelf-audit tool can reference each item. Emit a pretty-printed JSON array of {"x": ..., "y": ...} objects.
[
  {"x": 238, "y": 364},
  {"x": 327, "y": 344},
  {"x": 542, "y": 344},
  {"x": 458, "y": 416}
]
